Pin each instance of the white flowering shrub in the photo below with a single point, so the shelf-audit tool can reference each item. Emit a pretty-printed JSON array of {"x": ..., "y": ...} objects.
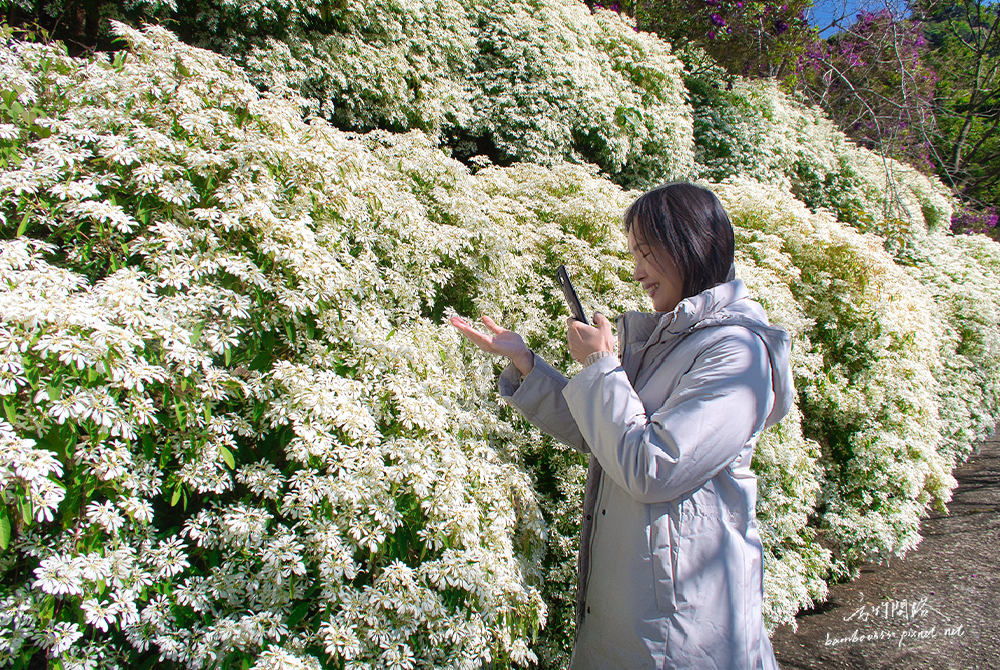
[
  {"x": 962, "y": 272},
  {"x": 873, "y": 394},
  {"x": 542, "y": 82},
  {"x": 237, "y": 431},
  {"x": 247, "y": 440}
]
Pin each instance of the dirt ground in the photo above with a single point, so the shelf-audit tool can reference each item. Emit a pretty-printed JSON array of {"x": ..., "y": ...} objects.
[{"x": 938, "y": 609}]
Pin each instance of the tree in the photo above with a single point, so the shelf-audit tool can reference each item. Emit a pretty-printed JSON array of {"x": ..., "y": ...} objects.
[
  {"x": 965, "y": 40},
  {"x": 759, "y": 38},
  {"x": 873, "y": 80}
]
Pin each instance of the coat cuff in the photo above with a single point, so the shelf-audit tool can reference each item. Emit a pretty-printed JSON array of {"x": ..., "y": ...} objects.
[{"x": 596, "y": 356}]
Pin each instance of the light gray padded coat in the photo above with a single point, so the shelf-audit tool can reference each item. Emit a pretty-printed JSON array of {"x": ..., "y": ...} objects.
[{"x": 670, "y": 559}]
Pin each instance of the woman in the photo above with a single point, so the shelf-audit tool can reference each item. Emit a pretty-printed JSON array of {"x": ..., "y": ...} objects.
[{"x": 670, "y": 566}]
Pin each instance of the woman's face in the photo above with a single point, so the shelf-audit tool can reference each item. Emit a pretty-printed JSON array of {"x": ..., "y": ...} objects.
[{"x": 655, "y": 270}]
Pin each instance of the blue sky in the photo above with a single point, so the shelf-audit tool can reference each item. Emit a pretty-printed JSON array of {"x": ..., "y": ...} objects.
[{"x": 825, "y": 11}]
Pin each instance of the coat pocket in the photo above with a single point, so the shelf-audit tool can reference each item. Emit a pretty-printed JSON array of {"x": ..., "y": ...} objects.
[
  {"x": 703, "y": 563},
  {"x": 663, "y": 527}
]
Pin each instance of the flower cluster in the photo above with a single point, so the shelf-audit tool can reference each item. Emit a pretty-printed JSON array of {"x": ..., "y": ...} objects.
[
  {"x": 540, "y": 82},
  {"x": 240, "y": 438}
]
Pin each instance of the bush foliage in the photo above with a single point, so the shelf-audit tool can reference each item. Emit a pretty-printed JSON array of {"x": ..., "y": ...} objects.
[{"x": 237, "y": 430}]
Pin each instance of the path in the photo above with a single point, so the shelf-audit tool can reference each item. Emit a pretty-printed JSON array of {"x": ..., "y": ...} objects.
[{"x": 938, "y": 609}]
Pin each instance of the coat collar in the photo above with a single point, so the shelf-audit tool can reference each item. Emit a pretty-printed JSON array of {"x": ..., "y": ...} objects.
[
  {"x": 705, "y": 309},
  {"x": 724, "y": 304}
]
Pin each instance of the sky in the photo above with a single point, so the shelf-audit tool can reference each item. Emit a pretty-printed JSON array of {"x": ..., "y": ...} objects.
[{"x": 824, "y": 12}]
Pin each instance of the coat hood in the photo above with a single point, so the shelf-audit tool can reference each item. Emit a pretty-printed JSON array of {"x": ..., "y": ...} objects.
[{"x": 723, "y": 305}]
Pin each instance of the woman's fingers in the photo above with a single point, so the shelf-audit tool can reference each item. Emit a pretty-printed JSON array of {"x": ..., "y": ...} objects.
[
  {"x": 492, "y": 325},
  {"x": 504, "y": 342},
  {"x": 584, "y": 340},
  {"x": 484, "y": 342}
]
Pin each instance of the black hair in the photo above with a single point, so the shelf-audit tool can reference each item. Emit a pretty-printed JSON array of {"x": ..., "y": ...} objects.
[{"x": 690, "y": 223}]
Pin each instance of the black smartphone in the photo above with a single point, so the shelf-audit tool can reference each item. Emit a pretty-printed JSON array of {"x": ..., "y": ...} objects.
[{"x": 575, "y": 308}]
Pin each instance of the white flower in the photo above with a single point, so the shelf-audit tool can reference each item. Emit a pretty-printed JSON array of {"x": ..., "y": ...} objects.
[
  {"x": 68, "y": 406},
  {"x": 276, "y": 658},
  {"x": 125, "y": 608},
  {"x": 148, "y": 173},
  {"x": 102, "y": 211},
  {"x": 12, "y": 374},
  {"x": 246, "y": 526},
  {"x": 137, "y": 509},
  {"x": 398, "y": 656},
  {"x": 76, "y": 190},
  {"x": 193, "y": 592},
  {"x": 59, "y": 576},
  {"x": 262, "y": 479},
  {"x": 58, "y": 638},
  {"x": 179, "y": 192},
  {"x": 105, "y": 515},
  {"x": 168, "y": 559},
  {"x": 117, "y": 151},
  {"x": 93, "y": 566},
  {"x": 99, "y": 614},
  {"x": 341, "y": 639}
]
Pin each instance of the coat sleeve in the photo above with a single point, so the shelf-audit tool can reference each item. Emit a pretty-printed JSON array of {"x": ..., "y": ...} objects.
[
  {"x": 539, "y": 397},
  {"x": 716, "y": 407}
]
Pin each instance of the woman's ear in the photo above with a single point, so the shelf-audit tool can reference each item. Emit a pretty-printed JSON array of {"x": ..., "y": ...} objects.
[{"x": 732, "y": 273}]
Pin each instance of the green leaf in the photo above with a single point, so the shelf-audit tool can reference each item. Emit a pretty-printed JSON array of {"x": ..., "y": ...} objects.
[
  {"x": 261, "y": 362},
  {"x": 24, "y": 224},
  {"x": 177, "y": 495},
  {"x": 10, "y": 411},
  {"x": 299, "y": 613},
  {"x": 227, "y": 456},
  {"x": 4, "y": 529},
  {"x": 26, "y": 510}
]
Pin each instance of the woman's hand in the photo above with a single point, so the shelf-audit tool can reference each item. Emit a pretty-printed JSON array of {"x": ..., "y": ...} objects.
[
  {"x": 585, "y": 340},
  {"x": 503, "y": 342}
]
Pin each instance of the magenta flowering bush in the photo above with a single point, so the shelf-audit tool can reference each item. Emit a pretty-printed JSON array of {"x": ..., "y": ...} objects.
[
  {"x": 760, "y": 38},
  {"x": 984, "y": 221},
  {"x": 873, "y": 79}
]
